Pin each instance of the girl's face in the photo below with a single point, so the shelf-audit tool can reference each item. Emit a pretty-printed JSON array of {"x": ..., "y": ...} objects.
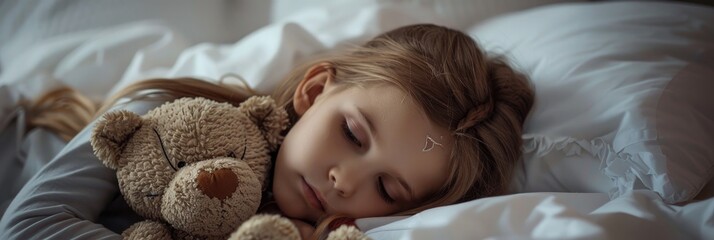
[{"x": 357, "y": 151}]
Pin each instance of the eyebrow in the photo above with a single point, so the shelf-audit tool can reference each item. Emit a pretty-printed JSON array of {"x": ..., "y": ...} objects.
[{"x": 372, "y": 130}]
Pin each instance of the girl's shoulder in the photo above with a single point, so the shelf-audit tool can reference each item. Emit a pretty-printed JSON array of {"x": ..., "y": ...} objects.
[{"x": 73, "y": 183}]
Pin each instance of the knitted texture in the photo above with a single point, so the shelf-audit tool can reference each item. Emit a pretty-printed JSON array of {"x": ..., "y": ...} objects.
[{"x": 198, "y": 165}]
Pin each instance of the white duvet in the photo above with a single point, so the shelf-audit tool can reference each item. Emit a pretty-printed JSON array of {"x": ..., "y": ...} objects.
[{"x": 98, "y": 62}]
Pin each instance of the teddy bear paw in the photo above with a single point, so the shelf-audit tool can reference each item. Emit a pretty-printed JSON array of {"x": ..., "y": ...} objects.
[
  {"x": 147, "y": 230},
  {"x": 264, "y": 226},
  {"x": 346, "y": 232}
]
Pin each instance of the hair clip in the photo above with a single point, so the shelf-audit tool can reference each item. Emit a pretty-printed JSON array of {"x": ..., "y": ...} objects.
[{"x": 430, "y": 143}]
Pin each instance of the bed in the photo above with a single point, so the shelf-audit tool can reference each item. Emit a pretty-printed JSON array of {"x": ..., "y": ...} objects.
[{"x": 620, "y": 143}]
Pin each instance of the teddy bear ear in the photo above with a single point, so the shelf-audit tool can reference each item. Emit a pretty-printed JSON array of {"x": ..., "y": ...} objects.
[
  {"x": 270, "y": 118},
  {"x": 111, "y": 133}
]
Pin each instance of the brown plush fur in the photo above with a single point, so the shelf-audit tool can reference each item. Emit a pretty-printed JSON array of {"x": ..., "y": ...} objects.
[
  {"x": 264, "y": 227},
  {"x": 194, "y": 167}
]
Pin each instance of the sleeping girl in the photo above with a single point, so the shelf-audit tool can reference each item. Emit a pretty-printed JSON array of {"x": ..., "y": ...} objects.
[{"x": 416, "y": 118}]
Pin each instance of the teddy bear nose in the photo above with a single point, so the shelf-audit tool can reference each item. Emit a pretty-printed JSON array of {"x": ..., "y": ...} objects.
[{"x": 219, "y": 184}]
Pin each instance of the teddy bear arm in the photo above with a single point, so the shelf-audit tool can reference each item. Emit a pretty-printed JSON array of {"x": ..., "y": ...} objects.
[
  {"x": 346, "y": 232},
  {"x": 147, "y": 229},
  {"x": 266, "y": 226}
]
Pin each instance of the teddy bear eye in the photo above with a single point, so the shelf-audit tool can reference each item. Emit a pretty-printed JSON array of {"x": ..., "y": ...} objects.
[
  {"x": 232, "y": 154},
  {"x": 163, "y": 150},
  {"x": 181, "y": 164}
]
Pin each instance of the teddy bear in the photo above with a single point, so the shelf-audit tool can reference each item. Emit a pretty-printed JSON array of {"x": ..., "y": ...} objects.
[
  {"x": 269, "y": 226},
  {"x": 196, "y": 169}
]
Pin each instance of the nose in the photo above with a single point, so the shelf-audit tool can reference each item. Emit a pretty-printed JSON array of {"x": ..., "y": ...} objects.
[
  {"x": 219, "y": 184},
  {"x": 346, "y": 178}
]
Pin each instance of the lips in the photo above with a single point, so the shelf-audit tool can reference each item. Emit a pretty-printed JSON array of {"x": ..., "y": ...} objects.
[{"x": 312, "y": 197}]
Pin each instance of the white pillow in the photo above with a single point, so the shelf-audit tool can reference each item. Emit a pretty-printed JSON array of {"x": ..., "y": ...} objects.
[
  {"x": 622, "y": 101},
  {"x": 553, "y": 216}
]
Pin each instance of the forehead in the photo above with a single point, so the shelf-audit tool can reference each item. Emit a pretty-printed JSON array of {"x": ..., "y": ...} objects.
[{"x": 401, "y": 129}]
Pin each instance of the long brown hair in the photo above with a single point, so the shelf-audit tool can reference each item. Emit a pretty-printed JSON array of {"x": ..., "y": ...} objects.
[{"x": 481, "y": 99}]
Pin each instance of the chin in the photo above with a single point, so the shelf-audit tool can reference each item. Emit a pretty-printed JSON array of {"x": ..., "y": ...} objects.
[
  {"x": 294, "y": 210},
  {"x": 289, "y": 203}
]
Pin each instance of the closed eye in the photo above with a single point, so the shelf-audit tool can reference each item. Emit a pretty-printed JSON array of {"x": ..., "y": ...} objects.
[
  {"x": 232, "y": 154},
  {"x": 163, "y": 150},
  {"x": 383, "y": 191},
  {"x": 350, "y": 135},
  {"x": 151, "y": 195},
  {"x": 245, "y": 148}
]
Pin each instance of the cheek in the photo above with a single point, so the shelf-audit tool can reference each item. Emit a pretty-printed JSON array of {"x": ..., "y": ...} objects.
[{"x": 306, "y": 147}]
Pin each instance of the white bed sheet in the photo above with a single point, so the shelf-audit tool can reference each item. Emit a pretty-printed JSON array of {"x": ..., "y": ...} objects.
[{"x": 98, "y": 62}]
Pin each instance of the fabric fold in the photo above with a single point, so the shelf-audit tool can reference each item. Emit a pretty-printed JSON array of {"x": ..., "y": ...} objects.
[{"x": 627, "y": 171}]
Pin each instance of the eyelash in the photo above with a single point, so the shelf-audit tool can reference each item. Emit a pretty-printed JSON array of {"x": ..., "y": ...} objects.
[
  {"x": 383, "y": 191},
  {"x": 350, "y": 135}
]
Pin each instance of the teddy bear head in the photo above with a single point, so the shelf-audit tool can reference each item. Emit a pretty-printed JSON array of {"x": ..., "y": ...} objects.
[{"x": 196, "y": 164}]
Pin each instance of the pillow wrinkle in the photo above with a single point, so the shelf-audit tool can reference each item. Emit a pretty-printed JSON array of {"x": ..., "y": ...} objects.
[{"x": 626, "y": 169}]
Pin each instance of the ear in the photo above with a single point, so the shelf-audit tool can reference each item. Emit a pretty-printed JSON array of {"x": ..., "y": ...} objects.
[
  {"x": 111, "y": 134},
  {"x": 312, "y": 85},
  {"x": 271, "y": 119}
]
